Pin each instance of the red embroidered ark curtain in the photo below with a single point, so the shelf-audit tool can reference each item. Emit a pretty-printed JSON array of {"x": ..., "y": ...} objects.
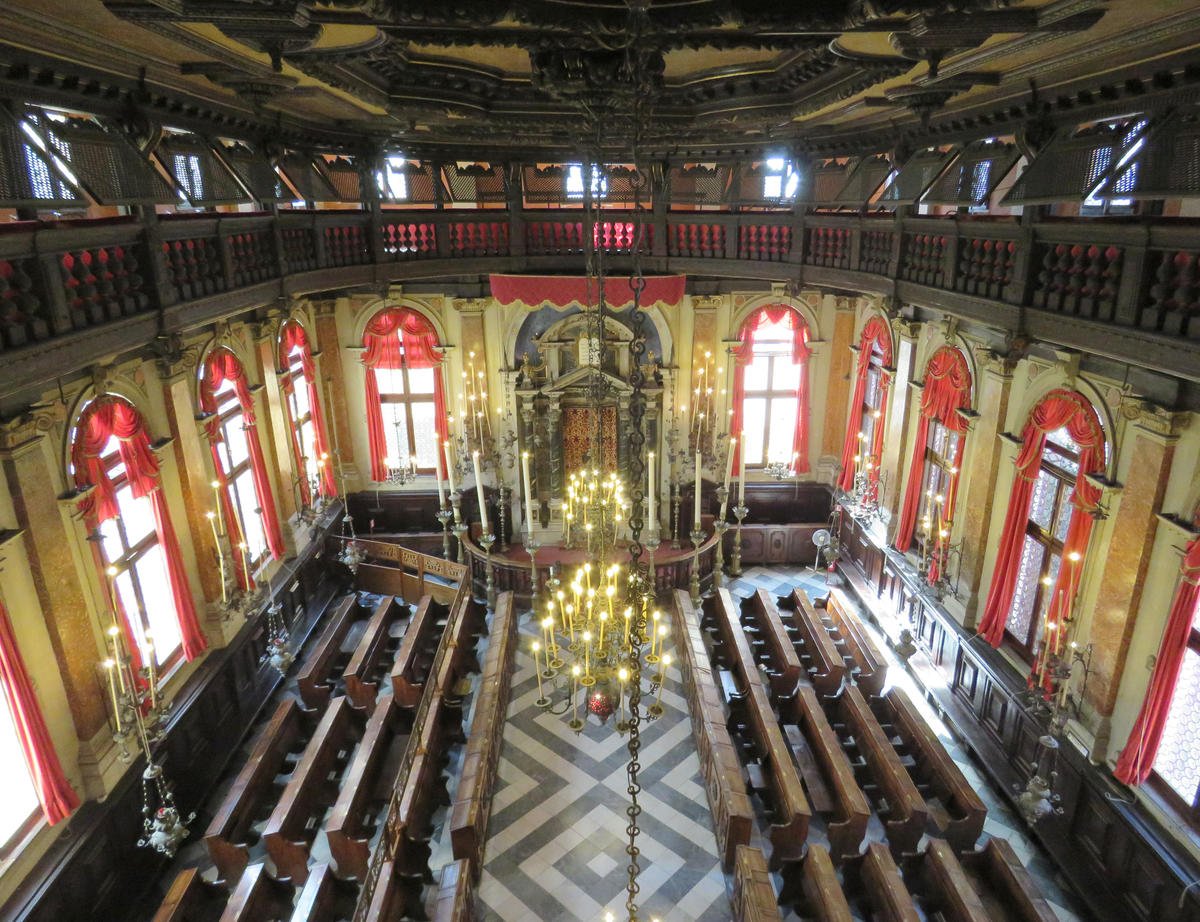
[
  {"x": 292, "y": 336},
  {"x": 399, "y": 337},
  {"x": 743, "y": 354},
  {"x": 875, "y": 331},
  {"x": 1137, "y": 758},
  {"x": 947, "y": 390},
  {"x": 105, "y": 418},
  {"x": 221, "y": 366},
  {"x": 1057, "y": 409},
  {"x": 54, "y": 791}
]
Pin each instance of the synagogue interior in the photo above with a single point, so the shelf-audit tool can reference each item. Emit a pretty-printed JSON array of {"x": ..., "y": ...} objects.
[{"x": 602, "y": 460}]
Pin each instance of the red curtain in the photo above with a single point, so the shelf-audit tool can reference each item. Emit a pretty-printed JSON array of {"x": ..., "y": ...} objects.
[
  {"x": 743, "y": 354},
  {"x": 397, "y": 337},
  {"x": 1137, "y": 758},
  {"x": 947, "y": 390},
  {"x": 221, "y": 366},
  {"x": 54, "y": 792},
  {"x": 875, "y": 331},
  {"x": 1057, "y": 409},
  {"x": 293, "y": 337},
  {"x": 103, "y": 419}
]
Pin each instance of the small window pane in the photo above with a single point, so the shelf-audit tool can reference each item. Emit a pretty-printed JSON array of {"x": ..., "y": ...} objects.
[
  {"x": 754, "y": 423},
  {"x": 390, "y": 380},
  {"x": 1178, "y": 759},
  {"x": 1020, "y": 615},
  {"x": 1041, "y": 507},
  {"x": 235, "y": 441},
  {"x": 783, "y": 429},
  {"x": 395, "y": 431},
  {"x": 300, "y": 396},
  {"x": 20, "y": 798},
  {"x": 1065, "y": 513},
  {"x": 786, "y": 376},
  {"x": 757, "y": 372},
  {"x": 129, "y": 605},
  {"x": 111, "y": 544},
  {"x": 247, "y": 500},
  {"x": 420, "y": 380},
  {"x": 152, "y": 576},
  {"x": 137, "y": 515},
  {"x": 425, "y": 434}
]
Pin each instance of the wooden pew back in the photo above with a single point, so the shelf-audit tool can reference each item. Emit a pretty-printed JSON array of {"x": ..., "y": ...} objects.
[
  {"x": 828, "y": 667},
  {"x": 881, "y": 879},
  {"x": 415, "y": 656},
  {"x": 315, "y": 680},
  {"x": 1007, "y": 890},
  {"x": 362, "y": 683},
  {"x": 785, "y": 668},
  {"x": 872, "y": 665},
  {"x": 948, "y": 885},
  {"x": 753, "y": 893},
  {"x": 324, "y": 897},
  {"x": 823, "y": 896},
  {"x": 191, "y": 899},
  {"x": 258, "y": 897},
  {"x": 455, "y": 897}
]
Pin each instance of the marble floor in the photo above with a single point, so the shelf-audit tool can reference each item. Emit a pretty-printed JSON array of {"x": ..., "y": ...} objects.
[{"x": 555, "y": 848}]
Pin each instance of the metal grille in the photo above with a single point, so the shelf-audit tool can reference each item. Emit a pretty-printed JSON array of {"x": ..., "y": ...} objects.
[
  {"x": 1168, "y": 166},
  {"x": 619, "y": 184},
  {"x": 866, "y": 176},
  {"x": 482, "y": 183},
  {"x": 1072, "y": 164},
  {"x": 301, "y": 173},
  {"x": 545, "y": 185},
  {"x": 748, "y": 186},
  {"x": 257, "y": 173},
  {"x": 106, "y": 165},
  {"x": 699, "y": 184},
  {"x": 917, "y": 175},
  {"x": 824, "y": 183},
  {"x": 26, "y": 176},
  {"x": 420, "y": 183},
  {"x": 974, "y": 176},
  {"x": 342, "y": 173},
  {"x": 201, "y": 176}
]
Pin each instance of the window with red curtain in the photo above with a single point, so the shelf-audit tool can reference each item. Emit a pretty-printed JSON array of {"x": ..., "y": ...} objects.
[
  {"x": 406, "y": 404},
  {"x": 1177, "y": 761},
  {"x": 298, "y": 380},
  {"x": 770, "y": 388},
  {"x": 248, "y": 504},
  {"x": 868, "y": 403},
  {"x": 110, "y": 452},
  {"x": 1047, "y": 527}
]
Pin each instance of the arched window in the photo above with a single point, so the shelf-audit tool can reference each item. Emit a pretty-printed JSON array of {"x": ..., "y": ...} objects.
[
  {"x": 310, "y": 445},
  {"x": 1047, "y": 527},
  {"x": 928, "y": 508},
  {"x": 110, "y": 452},
  {"x": 406, "y": 404},
  {"x": 770, "y": 388},
  {"x": 868, "y": 405},
  {"x": 248, "y": 505}
]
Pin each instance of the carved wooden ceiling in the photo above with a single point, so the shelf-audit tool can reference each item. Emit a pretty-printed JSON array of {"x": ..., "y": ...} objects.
[{"x": 515, "y": 75}]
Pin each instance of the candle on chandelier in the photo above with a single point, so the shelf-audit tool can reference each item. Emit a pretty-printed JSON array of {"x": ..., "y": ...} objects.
[
  {"x": 538, "y": 670},
  {"x": 666, "y": 661},
  {"x": 654, "y": 631},
  {"x": 244, "y": 548},
  {"x": 742, "y": 477},
  {"x": 574, "y": 693},
  {"x": 449, "y": 464},
  {"x": 151, "y": 667},
  {"x": 622, "y": 678},
  {"x": 212, "y": 521},
  {"x": 628, "y": 618},
  {"x": 113, "y": 633},
  {"x": 528, "y": 490},
  {"x": 216, "y": 488},
  {"x": 651, "y": 495},
  {"x": 479, "y": 492},
  {"x": 110, "y": 667},
  {"x": 587, "y": 653},
  {"x": 697, "y": 497},
  {"x": 728, "y": 473}
]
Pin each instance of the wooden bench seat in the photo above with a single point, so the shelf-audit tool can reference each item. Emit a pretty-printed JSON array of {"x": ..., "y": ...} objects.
[
  {"x": 947, "y": 889},
  {"x": 960, "y": 812},
  {"x": 824, "y": 900},
  {"x": 784, "y": 667},
  {"x": 455, "y": 895},
  {"x": 870, "y": 665},
  {"x": 880, "y": 881},
  {"x": 323, "y": 668},
  {"x": 191, "y": 899},
  {"x": 415, "y": 657},
  {"x": 362, "y": 672},
  {"x": 1005, "y": 887},
  {"x": 313, "y": 788},
  {"x": 824, "y": 664},
  {"x": 325, "y": 898},
  {"x": 367, "y": 786},
  {"x": 259, "y": 897},
  {"x": 847, "y": 824},
  {"x": 906, "y": 815},
  {"x": 753, "y": 893},
  {"x": 254, "y": 793}
]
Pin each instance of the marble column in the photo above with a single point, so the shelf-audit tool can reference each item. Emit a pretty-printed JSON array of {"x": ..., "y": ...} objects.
[
  {"x": 841, "y": 367},
  {"x": 333, "y": 383}
]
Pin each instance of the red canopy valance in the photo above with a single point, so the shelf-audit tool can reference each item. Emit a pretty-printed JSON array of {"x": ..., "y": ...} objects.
[{"x": 533, "y": 291}]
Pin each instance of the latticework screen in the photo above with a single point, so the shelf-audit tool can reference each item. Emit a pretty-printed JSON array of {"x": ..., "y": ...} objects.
[
  {"x": 257, "y": 173},
  {"x": 26, "y": 176},
  {"x": 420, "y": 182},
  {"x": 1167, "y": 166},
  {"x": 973, "y": 177},
  {"x": 699, "y": 184},
  {"x": 867, "y": 175},
  {"x": 917, "y": 175},
  {"x": 106, "y": 165},
  {"x": 342, "y": 174},
  {"x": 1072, "y": 164},
  {"x": 821, "y": 183},
  {"x": 619, "y": 179},
  {"x": 301, "y": 173},
  {"x": 481, "y": 183},
  {"x": 544, "y": 185},
  {"x": 201, "y": 176},
  {"x": 750, "y": 186}
]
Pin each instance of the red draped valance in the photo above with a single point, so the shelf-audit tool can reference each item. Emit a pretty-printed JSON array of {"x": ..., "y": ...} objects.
[{"x": 533, "y": 291}]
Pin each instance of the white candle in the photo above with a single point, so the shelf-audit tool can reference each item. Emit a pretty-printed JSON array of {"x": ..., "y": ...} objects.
[
  {"x": 528, "y": 490},
  {"x": 449, "y": 465},
  {"x": 651, "y": 497},
  {"x": 437, "y": 475},
  {"x": 742, "y": 481},
  {"x": 728, "y": 473},
  {"x": 479, "y": 492},
  {"x": 697, "y": 497}
]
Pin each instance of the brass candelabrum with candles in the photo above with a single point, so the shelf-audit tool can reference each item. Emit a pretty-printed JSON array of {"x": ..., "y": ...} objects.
[
  {"x": 595, "y": 510},
  {"x": 231, "y": 559}
]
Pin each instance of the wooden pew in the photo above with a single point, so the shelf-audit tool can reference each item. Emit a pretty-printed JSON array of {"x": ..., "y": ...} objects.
[
  {"x": 324, "y": 897},
  {"x": 361, "y": 673},
  {"x": 473, "y": 799},
  {"x": 947, "y": 886},
  {"x": 455, "y": 896},
  {"x": 1005, "y": 887},
  {"x": 324, "y": 664},
  {"x": 366, "y": 787},
  {"x": 416, "y": 653},
  {"x": 790, "y": 807},
  {"x": 823, "y": 896},
  {"x": 871, "y": 666},
  {"x": 191, "y": 899},
  {"x": 753, "y": 893},
  {"x": 826, "y": 668},
  {"x": 424, "y": 792},
  {"x": 847, "y": 824},
  {"x": 466, "y": 622},
  {"x": 784, "y": 664},
  {"x": 733, "y": 814},
  {"x": 230, "y": 836},
  {"x": 906, "y": 815},
  {"x": 289, "y": 832},
  {"x": 259, "y": 897},
  {"x": 397, "y": 896},
  {"x": 880, "y": 879},
  {"x": 959, "y": 812}
]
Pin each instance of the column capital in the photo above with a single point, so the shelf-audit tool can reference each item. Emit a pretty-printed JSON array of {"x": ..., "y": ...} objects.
[
  {"x": 471, "y": 305},
  {"x": 1155, "y": 421},
  {"x": 324, "y": 308},
  {"x": 172, "y": 358},
  {"x": 30, "y": 427},
  {"x": 993, "y": 363},
  {"x": 845, "y": 305},
  {"x": 707, "y": 302},
  {"x": 909, "y": 330}
]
